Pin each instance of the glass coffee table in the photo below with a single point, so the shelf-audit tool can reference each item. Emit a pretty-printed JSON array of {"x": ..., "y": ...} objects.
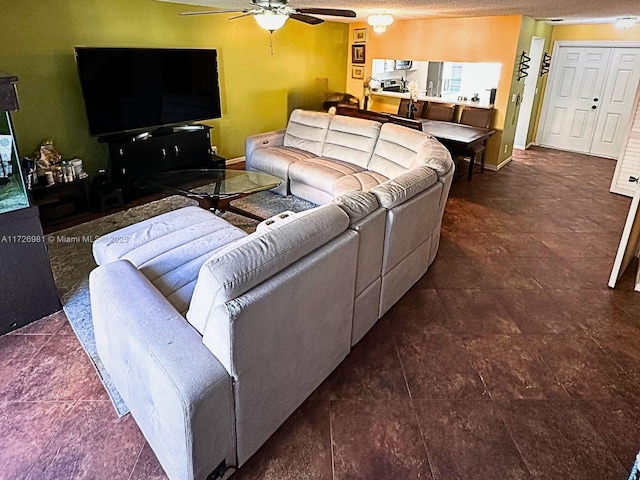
[{"x": 213, "y": 189}]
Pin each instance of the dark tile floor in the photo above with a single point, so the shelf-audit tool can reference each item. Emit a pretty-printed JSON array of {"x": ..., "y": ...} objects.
[{"x": 510, "y": 359}]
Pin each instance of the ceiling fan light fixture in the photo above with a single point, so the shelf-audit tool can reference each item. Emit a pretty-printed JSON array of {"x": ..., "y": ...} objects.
[
  {"x": 380, "y": 21},
  {"x": 625, "y": 23},
  {"x": 271, "y": 20}
]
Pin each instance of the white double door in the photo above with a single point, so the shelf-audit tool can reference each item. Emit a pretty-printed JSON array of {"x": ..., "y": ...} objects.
[{"x": 590, "y": 98}]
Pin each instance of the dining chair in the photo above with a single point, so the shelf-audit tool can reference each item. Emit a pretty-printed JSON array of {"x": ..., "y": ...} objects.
[
  {"x": 476, "y": 117},
  {"x": 439, "y": 111},
  {"x": 403, "y": 108}
]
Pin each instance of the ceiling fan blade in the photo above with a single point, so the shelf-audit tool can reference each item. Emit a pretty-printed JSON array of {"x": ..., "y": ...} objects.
[
  {"x": 247, "y": 13},
  {"x": 328, "y": 11},
  {"x": 306, "y": 19},
  {"x": 240, "y": 16},
  {"x": 207, "y": 12}
]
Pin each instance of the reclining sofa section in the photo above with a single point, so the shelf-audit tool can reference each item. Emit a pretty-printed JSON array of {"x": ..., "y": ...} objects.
[
  {"x": 320, "y": 157},
  {"x": 212, "y": 384}
]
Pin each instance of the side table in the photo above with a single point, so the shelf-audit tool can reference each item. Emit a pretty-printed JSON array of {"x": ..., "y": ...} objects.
[{"x": 60, "y": 201}]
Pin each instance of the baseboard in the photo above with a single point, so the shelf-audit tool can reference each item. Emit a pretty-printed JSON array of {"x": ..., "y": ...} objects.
[
  {"x": 493, "y": 168},
  {"x": 233, "y": 161},
  {"x": 526, "y": 147}
]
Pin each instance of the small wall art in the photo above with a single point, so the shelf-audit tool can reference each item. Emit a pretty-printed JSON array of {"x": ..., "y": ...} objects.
[
  {"x": 357, "y": 72},
  {"x": 357, "y": 54},
  {"x": 359, "y": 35}
]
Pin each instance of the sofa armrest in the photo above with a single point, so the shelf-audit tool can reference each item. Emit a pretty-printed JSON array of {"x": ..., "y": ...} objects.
[
  {"x": 262, "y": 140},
  {"x": 177, "y": 390},
  {"x": 400, "y": 189},
  {"x": 276, "y": 221}
]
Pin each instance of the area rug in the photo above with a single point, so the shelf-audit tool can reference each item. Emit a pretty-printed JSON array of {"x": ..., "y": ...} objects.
[{"x": 72, "y": 260}]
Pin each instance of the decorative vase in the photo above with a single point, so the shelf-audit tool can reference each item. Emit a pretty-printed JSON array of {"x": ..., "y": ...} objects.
[{"x": 411, "y": 108}]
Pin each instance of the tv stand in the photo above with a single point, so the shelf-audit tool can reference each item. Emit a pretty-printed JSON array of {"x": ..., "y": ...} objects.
[
  {"x": 141, "y": 136},
  {"x": 188, "y": 128},
  {"x": 165, "y": 149}
]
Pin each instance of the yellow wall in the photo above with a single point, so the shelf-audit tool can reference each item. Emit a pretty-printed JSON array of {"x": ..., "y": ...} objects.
[
  {"x": 258, "y": 89},
  {"x": 545, "y": 31},
  {"x": 481, "y": 39},
  {"x": 530, "y": 28},
  {"x": 595, "y": 32}
]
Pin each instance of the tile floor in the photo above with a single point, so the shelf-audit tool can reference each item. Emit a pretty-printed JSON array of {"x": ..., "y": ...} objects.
[{"x": 510, "y": 359}]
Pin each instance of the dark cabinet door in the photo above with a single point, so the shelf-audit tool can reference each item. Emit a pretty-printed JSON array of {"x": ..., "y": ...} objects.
[
  {"x": 191, "y": 150},
  {"x": 133, "y": 160}
]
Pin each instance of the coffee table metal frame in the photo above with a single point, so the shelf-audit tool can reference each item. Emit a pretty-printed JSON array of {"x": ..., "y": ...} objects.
[{"x": 187, "y": 183}]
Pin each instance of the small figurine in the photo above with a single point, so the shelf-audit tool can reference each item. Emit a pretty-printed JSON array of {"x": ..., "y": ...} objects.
[{"x": 46, "y": 157}]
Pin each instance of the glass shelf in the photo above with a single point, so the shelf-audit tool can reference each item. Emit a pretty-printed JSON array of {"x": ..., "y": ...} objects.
[{"x": 13, "y": 194}]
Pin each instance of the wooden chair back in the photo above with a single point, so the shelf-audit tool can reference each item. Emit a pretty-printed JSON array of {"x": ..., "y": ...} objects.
[
  {"x": 404, "y": 104},
  {"x": 416, "y": 124},
  {"x": 476, "y": 116},
  {"x": 439, "y": 111},
  {"x": 366, "y": 114}
]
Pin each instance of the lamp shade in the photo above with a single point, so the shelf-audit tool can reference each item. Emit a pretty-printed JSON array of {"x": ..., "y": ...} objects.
[
  {"x": 270, "y": 20},
  {"x": 380, "y": 21}
]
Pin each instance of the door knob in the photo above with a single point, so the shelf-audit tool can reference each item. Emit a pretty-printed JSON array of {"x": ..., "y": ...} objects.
[
  {"x": 593, "y": 107},
  {"x": 595, "y": 99}
]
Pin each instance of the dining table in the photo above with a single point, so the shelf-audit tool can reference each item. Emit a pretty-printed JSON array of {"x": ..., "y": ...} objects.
[{"x": 460, "y": 139}]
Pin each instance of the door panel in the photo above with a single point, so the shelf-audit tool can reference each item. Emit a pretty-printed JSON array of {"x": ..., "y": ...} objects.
[
  {"x": 566, "y": 83},
  {"x": 616, "y": 104},
  {"x": 558, "y": 120},
  {"x": 570, "y": 120},
  {"x": 590, "y": 84},
  {"x": 622, "y": 83},
  {"x": 611, "y": 126},
  {"x": 579, "y": 124}
]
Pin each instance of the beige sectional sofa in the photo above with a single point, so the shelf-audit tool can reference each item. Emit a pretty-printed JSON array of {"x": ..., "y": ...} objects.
[{"x": 214, "y": 337}]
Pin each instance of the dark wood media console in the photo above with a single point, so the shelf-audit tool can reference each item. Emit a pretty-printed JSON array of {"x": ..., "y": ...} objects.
[{"x": 165, "y": 149}]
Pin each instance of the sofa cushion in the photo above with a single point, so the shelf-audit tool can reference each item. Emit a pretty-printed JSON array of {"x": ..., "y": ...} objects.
[
  {"x": 169, "y": 249},
  {"x": 401, "y": 149},
  {"x": 362, "y": 181},
  {"x": 277, "y": 160},
  {"x": 145, "y": 240},
  {"x": 235, "y": 270},
  {"x": 307, "y": 130},
  {"x": 400, "y": 189},
  {"x": 321, "y": 173},
  {"x": 351, "y": 140}
]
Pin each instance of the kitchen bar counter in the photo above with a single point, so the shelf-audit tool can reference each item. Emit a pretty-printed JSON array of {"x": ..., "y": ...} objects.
[{"x": 424, "y": 98}]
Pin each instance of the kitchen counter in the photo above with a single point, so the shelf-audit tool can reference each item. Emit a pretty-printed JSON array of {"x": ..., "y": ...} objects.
[{"x": 424, "y": 98}]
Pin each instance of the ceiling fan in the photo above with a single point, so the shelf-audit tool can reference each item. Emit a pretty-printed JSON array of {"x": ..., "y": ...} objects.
[{"x": 272, "y": 14}]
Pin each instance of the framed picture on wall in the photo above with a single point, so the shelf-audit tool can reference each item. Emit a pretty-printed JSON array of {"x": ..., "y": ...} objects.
[
  {"x": 359, "y": 35},
  {"x": 357, "y": 54},
  {"x": 357, "y": 72}
]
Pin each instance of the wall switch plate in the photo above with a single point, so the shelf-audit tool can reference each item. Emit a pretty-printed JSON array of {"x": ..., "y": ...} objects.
[
  {"x": 513, "y": 98},
  {"x": 506, "y": 147}
]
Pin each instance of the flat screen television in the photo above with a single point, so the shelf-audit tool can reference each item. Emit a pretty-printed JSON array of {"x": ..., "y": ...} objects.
[{"x": 133, "y": 89}]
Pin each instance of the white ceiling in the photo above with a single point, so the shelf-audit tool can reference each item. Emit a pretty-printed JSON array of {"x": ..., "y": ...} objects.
[{"x": 571, "y": 11}]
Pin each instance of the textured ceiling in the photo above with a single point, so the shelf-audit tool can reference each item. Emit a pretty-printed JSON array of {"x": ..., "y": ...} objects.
[{"x": 570, "y": 10}]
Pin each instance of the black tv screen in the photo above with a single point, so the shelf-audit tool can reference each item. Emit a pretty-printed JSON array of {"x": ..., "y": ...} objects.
[{"x": 128, "y": 89}]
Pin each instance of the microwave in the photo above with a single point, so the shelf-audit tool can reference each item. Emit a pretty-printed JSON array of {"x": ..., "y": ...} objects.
[{"x": 403, "y": 64}]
